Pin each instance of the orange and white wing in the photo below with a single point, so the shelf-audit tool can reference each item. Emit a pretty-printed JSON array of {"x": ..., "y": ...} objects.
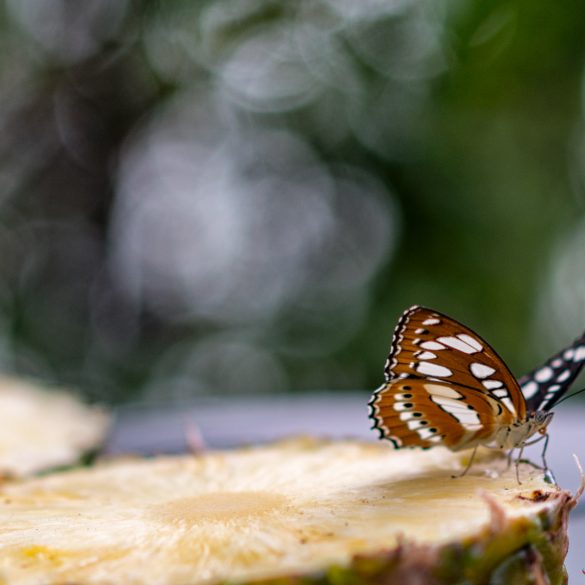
[
  {"x": 414, "y": 412},
  {"x": 445, "y": 385}
]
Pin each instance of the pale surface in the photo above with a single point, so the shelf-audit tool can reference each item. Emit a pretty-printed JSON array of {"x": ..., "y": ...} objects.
[
  {"x": 245, "y": 514},
  {"x": 229, "y": 422},
  {"x": 43, "y": 428}
]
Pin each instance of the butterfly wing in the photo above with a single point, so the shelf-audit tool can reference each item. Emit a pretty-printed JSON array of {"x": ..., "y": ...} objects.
[
  {"x": 457, "y": 384},
  {"x": 415, "y": 412},
  {"x": 546, "y": 385}
]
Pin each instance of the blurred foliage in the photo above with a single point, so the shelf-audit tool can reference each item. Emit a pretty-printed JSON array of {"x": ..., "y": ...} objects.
[{"x": 223, "y": 196}]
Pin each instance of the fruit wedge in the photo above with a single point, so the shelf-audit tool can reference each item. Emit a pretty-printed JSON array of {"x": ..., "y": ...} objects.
[
  {"x": 300, "y": 512},
  {"x": 42, "y": 428}
]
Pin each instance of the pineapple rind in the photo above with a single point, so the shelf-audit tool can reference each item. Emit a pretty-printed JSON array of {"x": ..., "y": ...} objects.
[{"x": 516, "y": 554}]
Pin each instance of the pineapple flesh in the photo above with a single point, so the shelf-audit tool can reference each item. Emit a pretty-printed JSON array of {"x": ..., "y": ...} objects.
[
  {"x": 42, "y": 428},
  {"x": 305, "y": 510}
]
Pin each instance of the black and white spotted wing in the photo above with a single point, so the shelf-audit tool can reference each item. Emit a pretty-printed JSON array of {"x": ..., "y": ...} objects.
[{"x": 544, "y": 386}]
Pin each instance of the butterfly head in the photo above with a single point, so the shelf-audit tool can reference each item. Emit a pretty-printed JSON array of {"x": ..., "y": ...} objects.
[
  {"x": 539, "y": 420},
  {"x": 516, "y": 435}
]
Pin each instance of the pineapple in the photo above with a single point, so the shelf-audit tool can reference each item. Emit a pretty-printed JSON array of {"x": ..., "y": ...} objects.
[
  {"x": 41, "y": 429},
  {"x": 300, "y": 512}
]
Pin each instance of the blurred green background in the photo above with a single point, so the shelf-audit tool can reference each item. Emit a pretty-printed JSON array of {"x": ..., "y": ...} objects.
[{"x": 242, "y": 196}]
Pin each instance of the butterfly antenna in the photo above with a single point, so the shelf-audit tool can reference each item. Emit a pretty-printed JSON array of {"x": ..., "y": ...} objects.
[{"x": 569, "y": 396}]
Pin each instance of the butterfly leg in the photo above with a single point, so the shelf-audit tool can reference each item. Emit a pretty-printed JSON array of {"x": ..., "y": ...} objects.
[
  {"x": 545, "y": 437},
  {"x": 469, "y": 464},
  {"x": 543, "y": 454},
  {"x": 509, "y": 458},
  {"x": 518, "y": 459},
  {"x": 548, "y": 474}
]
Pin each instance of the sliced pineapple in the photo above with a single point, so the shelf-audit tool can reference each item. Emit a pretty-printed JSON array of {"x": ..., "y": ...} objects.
[
  {"x": 312, "y": 511},
  {"x": 42, "y": 428}
]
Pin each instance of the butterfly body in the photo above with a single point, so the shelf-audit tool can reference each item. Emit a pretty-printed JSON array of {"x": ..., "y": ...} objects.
[
  {"x": 446, "y": 386},
  {"x": 520, "y": 432}
]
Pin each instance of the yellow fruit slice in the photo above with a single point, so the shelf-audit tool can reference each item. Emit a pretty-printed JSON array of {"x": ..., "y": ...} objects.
[
  {"x": 302, "y": 510},
  {"x": 44, "y": 428}
]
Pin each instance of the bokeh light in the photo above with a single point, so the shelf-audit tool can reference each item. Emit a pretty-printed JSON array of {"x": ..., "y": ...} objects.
[{"x": 240, "y": 197}]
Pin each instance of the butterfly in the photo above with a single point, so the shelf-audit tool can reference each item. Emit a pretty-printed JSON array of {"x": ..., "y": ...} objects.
[{"x": 444, "y": 385}]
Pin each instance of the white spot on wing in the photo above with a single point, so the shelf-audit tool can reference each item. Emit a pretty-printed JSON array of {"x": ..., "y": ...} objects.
[
  {"x": 473, "y": 427},
  {"x": 492, "y": 384},
  {"x": 432, "y": 345},
  {"x": 425, "y": 433},
  {"x": 440, "y": 390},
  {"x": 564, "y": 375},
  {"x": 458, "y": 344},
  {"x": 544, "y": 374},
  {"x": 481, "y": 370},
  {"x": 579, "y": 354},
  {"x": 426, "y": 355},
  {"x": 530, "y": 389},
  {"x": 500, "y": 393},
  {"x": 431, "y": 321},
  {"x": 419, "y": 331},
  {"x": 463, "y": 415},
  {"x": 470, "y": 417},
  {"x": 471, "y": 341},
  {"x": 449, "y": 404},
  {"x": 568, "y": 355},
  {"x": 433, "y": 370},
  {"x": 508, "y": 404},
  {"x": 557, "y": 362}
]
